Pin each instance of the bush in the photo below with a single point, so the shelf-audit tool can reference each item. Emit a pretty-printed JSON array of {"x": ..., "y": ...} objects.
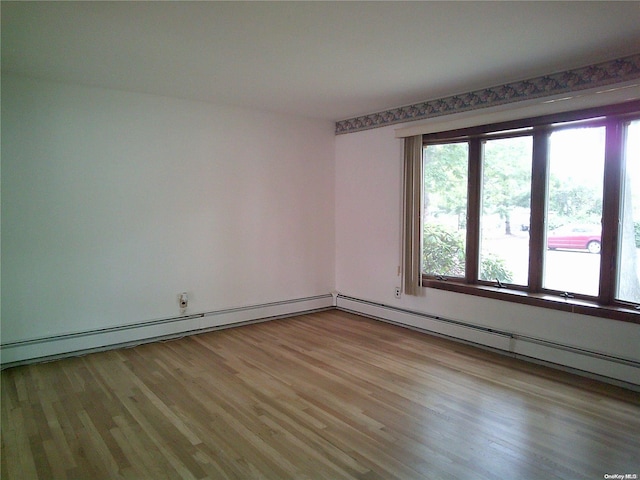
[
  {"x": 443, "y": 254},
  {"x": 636, "y": 230},
  {"x": 493, "y": 268}
]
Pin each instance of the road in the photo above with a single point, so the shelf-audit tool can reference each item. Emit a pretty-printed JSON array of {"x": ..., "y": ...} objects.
[{"x": 573, "y": 271}]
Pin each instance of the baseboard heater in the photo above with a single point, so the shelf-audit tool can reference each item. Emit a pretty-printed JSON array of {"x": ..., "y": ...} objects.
[
  {"x": 616, "y": 370},
  {"x": 612, "y": 369},
  {"x": 78, "y": 343}
]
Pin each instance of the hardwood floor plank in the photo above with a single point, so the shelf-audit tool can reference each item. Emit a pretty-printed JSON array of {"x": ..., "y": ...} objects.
[
  {"x": 294, "y": 422},
  {"x": 17, "y": 447},
  {"x": 328, "y": 395},
  {"x": 55, "y": 459}
]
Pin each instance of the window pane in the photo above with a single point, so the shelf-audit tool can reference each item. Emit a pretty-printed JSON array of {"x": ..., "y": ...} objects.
[
  {"x": 506, "y": 201},
  {"x": 629, "y": 258},
  {"x": 445, "y": 209},
  {"x": 574, "y": 210}
]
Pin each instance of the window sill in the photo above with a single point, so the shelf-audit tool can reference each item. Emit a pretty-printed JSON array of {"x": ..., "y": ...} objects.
[{"x": 544, "y": 300}]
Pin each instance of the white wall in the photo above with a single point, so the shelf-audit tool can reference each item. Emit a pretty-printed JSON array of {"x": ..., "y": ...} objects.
[
  {"x": 368, "y": 249},
  {"x": 114, "y": 202}
]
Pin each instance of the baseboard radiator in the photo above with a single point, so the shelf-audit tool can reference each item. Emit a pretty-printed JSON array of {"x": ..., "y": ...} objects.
[
  {"x": 78, "y": 343},
  {"x": 615, "y": 370}
]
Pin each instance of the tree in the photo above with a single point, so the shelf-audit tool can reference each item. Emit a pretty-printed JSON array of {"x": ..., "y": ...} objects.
[
  {"x": 445, "y": 180},
  {"x": 506, "y": 177},
  {"x": 445, "y": 194},
  {"x": 571, "y": 202}
]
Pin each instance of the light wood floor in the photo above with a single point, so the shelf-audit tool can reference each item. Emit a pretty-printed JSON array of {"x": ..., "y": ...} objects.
[{"x": 324, "y": 396}]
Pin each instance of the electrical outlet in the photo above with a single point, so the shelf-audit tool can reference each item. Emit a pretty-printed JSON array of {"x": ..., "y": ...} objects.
[
  {"x": 397, "y": 292},
  {"x": 183, "y": 300}
]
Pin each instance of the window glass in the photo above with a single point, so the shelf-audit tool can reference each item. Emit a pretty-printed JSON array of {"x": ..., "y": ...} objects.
[
  {"x": 505, "y": 210},
  {"x": 574, "y": 210},
  {"x": 477, "y": 187},
  {"x": 629, "y": 258},
  {"x": 445, "y": 209}
]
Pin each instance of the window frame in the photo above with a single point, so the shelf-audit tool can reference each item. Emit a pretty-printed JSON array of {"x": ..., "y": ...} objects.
[{"x": 614, "y": 118}]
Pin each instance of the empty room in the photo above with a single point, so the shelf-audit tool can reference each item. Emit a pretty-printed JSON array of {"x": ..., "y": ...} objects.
[{"x": 320, "y": 240}]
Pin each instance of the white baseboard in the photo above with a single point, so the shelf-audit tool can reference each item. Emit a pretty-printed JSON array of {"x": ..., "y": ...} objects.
[
  {"x": 38, "y": 349},
  {"x": 618, "y": 371}
]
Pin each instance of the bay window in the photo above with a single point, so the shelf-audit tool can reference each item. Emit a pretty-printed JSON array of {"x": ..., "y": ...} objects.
[{"x": 543, "y": 211}]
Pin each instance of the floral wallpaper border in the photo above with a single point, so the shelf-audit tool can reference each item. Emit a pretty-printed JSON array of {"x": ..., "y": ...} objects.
[{"x": 593, "y": 76}]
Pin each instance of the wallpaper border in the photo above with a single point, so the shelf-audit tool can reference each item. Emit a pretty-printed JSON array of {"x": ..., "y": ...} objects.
[{"x": 592, "y": 76}]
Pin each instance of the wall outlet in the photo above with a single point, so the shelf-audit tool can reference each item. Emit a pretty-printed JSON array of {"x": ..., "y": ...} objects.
[
  {"x": 183, "y": 300},
  {"x": 397, "y": 292}
]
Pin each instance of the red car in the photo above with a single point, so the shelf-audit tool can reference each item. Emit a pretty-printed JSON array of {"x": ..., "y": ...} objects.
[{"x": 575, "y": 237}]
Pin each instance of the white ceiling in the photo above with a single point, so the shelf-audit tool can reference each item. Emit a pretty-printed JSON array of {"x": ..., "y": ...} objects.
[{"x": 329, "y": 60}]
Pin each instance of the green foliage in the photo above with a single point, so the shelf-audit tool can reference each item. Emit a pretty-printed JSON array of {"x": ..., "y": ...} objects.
[
  {"x": 445, "y": 178},
  {"x": 636, "y": 230},
  {"x": 506, "y": 178},
  {"x": 574, "y": 203},
  {"x": 493, "y": 267},
  {"x": 505, "y": 186},
  {"x": 443, "y": 254}
]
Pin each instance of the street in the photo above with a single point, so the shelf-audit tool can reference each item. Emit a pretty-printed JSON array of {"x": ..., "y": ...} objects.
[{"x": 574, "y": 271}]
